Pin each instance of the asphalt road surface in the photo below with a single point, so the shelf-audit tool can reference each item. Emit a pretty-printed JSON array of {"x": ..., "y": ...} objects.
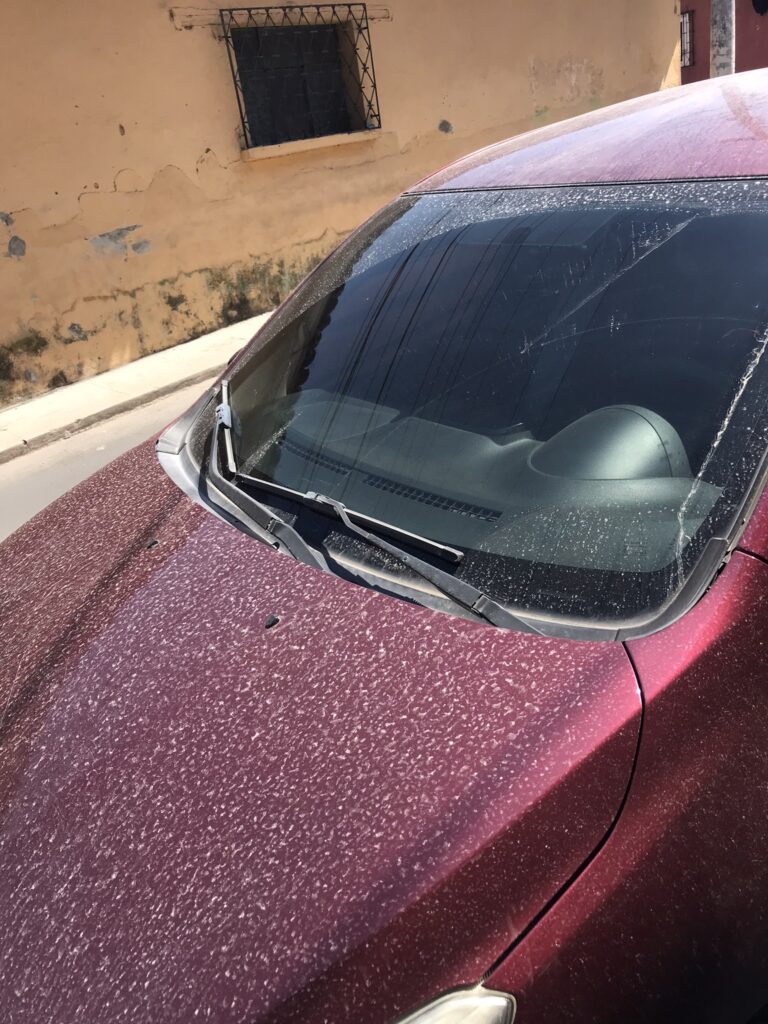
[{"x": 32, "y": 481}]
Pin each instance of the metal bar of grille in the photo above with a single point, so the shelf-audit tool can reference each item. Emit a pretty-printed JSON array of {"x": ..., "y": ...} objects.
[
  {"x": 301, "y": 71},
  {"x": 686, "y": 39},
  {"x": 225, "y": 25}
]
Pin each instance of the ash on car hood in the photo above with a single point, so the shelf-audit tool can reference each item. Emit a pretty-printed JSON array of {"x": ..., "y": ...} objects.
[{"x": 331, "y": 819}]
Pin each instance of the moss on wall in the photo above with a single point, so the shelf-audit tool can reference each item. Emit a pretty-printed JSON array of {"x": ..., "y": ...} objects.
[{"x": 146, "y": 319}]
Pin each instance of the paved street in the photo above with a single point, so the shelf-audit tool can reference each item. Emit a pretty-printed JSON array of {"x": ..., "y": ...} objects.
[{"x": 32, "y": 481}]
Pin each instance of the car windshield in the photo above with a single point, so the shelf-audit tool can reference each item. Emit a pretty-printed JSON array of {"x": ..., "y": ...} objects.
[{"x": 567, "y": 384}]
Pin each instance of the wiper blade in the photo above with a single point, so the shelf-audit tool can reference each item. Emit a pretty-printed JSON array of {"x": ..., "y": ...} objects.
[
  {"x": 461, "y": 593},
  {"x": 285, "y": 537}
]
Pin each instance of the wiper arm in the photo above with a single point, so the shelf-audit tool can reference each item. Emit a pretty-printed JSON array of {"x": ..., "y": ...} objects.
[
  {"x": 461, "y": 593},
  {"x": 269, "y": 522},
  {"x": 310, "y": 498}
]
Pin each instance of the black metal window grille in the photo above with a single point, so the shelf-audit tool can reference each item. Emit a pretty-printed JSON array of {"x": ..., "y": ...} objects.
[
  {"x": 301, "y": 72},
  {"x": 686, "y": 39}
]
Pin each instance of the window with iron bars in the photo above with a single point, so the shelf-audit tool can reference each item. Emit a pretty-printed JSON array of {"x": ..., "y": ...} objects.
[
  {"x": 686, "y": 39},
  {"x": 301, "y": 72}
]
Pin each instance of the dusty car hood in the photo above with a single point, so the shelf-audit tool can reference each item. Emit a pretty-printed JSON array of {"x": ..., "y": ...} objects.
[{"x": 332, "y": 819}]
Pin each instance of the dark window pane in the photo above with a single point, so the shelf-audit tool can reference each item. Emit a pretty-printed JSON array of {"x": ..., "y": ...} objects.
[{"x": 292, "y": 82}]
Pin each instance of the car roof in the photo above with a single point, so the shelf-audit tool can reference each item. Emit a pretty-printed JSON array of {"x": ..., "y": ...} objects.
[{"x": 712, "y": 129}]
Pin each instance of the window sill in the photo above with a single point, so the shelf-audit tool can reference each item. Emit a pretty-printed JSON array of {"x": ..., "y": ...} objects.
[{"x": 308, "y": 145}]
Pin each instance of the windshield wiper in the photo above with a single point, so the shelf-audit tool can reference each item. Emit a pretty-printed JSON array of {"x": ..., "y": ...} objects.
[
  {"x": 310, "y": 498},
  {"x": 472, "y": 600},
  {"x": 459, "y": 592},
  {"x": 285, "y": 537}
]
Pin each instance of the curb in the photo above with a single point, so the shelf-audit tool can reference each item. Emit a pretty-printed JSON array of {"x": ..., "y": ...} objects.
[
  {"x": 67, "y": 430},
  {"x": 40, "y": 421}
]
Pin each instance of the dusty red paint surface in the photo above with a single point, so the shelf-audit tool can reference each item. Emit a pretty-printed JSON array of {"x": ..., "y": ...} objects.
[
  {"x": 717, "y": 128},
  {"x": 754, "y": 540},
  {"x": 201, "y": 814},
  {"x": 669, "y": 921}
]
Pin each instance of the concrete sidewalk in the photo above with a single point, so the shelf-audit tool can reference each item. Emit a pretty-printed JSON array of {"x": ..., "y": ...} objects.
[{"x": 72, "y": 408}]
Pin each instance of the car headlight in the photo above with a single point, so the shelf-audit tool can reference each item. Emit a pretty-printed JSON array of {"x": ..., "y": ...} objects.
[{"x": 476, "y": 1005}]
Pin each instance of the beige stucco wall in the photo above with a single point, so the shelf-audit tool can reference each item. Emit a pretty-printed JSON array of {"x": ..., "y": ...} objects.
[{"x": 129, "y": 220}]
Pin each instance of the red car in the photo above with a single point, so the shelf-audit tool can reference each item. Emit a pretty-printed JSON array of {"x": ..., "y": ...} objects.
[{"x": 492, "y": 739}]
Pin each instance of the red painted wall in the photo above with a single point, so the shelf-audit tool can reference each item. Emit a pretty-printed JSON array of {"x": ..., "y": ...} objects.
[
  {"x": 700, "y": 69},
  {"x": 751, "y": 39}
]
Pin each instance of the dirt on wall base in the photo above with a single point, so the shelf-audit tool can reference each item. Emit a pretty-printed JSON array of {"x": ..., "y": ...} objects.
[{"x": 101, "y": 332}]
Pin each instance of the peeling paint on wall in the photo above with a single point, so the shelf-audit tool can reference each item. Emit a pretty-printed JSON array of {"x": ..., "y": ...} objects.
[
  {"x": 17, "y": 246},
  {"x": 76, "y": 333},
  {"x": 568, "y": 79},
  {"x": 113, "y": 243}
]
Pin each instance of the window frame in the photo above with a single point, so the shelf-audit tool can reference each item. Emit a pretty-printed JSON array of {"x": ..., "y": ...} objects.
[{"x": 355, "y": 63}]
